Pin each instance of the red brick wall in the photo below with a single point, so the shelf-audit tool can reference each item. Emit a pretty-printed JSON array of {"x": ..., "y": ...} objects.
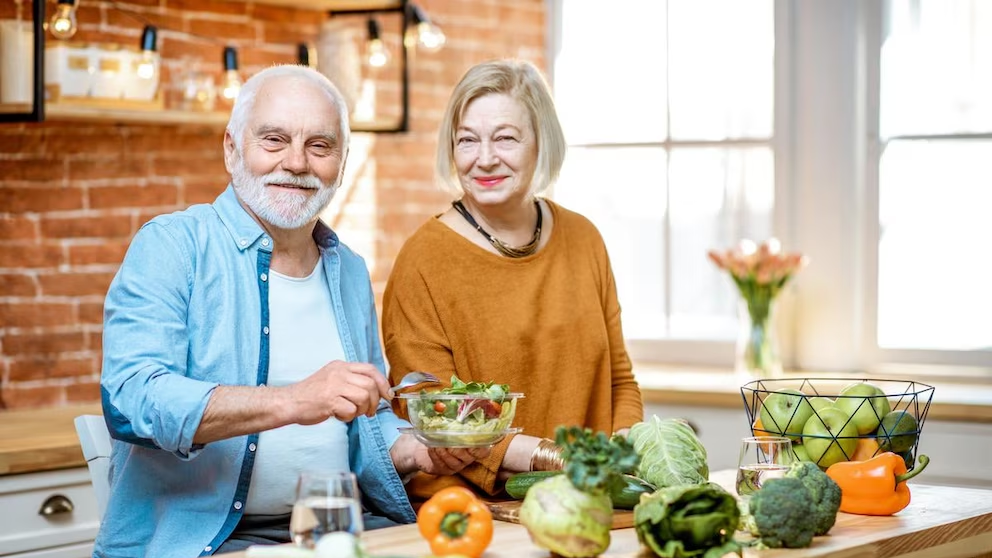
[{"x": 73, "y": 194}]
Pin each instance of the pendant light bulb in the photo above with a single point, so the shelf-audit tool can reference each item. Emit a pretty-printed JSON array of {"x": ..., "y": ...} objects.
[
  {"x": 232, "y": 80},
  {"x": 149, "y": 62},
  {"x": 430, "y": 37},
  {"x": 63, "y": 22},
  {"x": 422, "y": 32},
  {"x": 375, "y": 51}
]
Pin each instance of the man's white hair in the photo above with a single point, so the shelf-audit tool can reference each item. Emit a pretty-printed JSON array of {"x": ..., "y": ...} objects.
[{"x": 249, "y": 92}]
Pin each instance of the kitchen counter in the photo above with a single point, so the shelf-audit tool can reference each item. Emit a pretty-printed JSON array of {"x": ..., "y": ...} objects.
[
  {"x": 940, "y": 522},
  {"x": 41, "y": 439},
  {"x": 962, "y": 401},
  {"x": 45, "y": 439}
]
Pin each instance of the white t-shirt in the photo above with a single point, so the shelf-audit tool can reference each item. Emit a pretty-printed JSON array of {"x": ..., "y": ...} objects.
[{"x": 303, "y": 337}]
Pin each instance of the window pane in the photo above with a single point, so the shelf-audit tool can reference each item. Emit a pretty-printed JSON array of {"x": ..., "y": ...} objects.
[
  {"x": 609, "y": 76},
  {"x": 937, "y": 67},
  {"x": 721, "y": 63},
  {"x": 718, "y": 196},
  {"x": 622, "y": 191},
  {"x": 934, "y": 269}
]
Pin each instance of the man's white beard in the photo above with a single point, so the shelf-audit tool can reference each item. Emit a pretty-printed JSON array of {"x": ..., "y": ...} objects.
[{"x": 280, "y": 208}]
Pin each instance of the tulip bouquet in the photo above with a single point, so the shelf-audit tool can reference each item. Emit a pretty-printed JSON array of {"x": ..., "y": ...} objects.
[{"x": 760, "y": 272}]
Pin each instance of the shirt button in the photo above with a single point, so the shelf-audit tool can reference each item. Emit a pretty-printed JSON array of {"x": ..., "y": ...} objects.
[
  {"x": 208, "y": 549},
  {"x": 265, "y": 242},
  {"x": 244, "y": 242},
  {"x": 265, "y": 330},
  {"x": 251, "y": 447},
  {"x": 237, "y": 505},
  {"x": 264, "y": 277}
]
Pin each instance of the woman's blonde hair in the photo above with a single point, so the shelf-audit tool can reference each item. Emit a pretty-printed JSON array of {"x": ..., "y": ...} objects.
[{"x": 522, "y": 81}]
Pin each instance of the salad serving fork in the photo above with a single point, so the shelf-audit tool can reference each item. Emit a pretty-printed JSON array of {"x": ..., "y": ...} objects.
[{"x": 415, "y": 378}]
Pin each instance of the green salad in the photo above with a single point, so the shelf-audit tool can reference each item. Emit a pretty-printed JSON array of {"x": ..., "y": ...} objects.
[{"x": 463, "y": 409}]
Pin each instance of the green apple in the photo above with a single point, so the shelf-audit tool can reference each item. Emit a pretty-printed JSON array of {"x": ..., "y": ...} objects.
[
  {"x": 800, "y": 451},
  {"x": 865, "y": 403},
  {"x": 830, "y": 437},
  {"x": 784, "y": 412},
  {"x": 820, "y": 403},
  {"x": 898, "y": 432}
]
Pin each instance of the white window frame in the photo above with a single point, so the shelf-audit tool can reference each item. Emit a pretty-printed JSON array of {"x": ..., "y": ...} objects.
[{"x": 827, "y": 150}]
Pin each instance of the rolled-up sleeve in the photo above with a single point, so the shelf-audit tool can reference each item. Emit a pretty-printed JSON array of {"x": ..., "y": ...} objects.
[{"x": 148, "y": 398}]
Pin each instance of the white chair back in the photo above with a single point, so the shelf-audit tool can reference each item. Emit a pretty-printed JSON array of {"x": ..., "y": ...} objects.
[{"x": 96, "y": 443}]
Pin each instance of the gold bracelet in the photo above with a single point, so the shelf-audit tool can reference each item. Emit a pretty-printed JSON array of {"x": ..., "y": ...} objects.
[{"x": 546, "y": 457}]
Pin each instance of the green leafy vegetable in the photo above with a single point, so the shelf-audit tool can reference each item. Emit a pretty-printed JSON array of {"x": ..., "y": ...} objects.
[
  {"x": 671, "y": 454},
  {"x": 489, "y": 390},
  {"x": 688, "y": 521}
]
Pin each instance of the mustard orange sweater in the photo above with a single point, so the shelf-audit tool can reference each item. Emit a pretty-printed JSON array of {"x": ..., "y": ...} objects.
[{"x": 546, "y": 324}]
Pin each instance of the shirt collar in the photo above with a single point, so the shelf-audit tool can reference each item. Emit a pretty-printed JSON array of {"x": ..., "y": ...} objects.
[{"x": 245, "y": 231}]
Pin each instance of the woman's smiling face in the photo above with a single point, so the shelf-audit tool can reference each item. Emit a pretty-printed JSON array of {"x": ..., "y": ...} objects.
[{"x": 495, "y": 150}]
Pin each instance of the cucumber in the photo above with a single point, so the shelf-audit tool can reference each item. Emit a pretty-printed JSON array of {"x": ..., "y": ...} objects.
[
  {"x": 518, "y": 485},
  {"x": 625, "y": 497}
]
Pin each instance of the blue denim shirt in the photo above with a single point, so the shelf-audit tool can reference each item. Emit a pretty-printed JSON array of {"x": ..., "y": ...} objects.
[{"x": 188, "y": 311}]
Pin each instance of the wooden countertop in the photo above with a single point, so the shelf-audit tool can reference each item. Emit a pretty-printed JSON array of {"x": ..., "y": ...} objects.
[
  {"x": 940, "y": 522},
  {"x": 41, "y": 439},
  {"x": 963, "y": 401},
  {"x": 45, "y": 439}
]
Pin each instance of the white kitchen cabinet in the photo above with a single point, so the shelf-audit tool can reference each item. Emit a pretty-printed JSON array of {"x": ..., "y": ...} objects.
[{"x": 50, "y": 514}]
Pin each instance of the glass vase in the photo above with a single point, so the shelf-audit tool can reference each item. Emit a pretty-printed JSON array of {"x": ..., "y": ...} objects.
[{"x": 757, "y": 344}]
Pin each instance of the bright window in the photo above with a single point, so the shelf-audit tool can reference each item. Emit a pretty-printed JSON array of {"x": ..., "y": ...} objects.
[
  {"x": 857, "y": 132},
  {"x": 670, "y": 148},
  {"x": 935, "y": 188}
]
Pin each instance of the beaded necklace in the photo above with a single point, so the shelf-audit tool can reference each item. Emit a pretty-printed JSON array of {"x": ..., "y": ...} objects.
[{"x": 500, "y": 246}]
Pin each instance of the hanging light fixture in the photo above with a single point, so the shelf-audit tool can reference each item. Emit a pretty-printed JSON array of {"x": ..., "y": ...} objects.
[
  {"x": 63, "y": 22},
  {"x": 422, "y": 33},
  {"x": 149, "y": 62},
  {"x": 306, "y": 55},
  {"x": 375, "y": 51},
  {"x": 232, "y": 80}
]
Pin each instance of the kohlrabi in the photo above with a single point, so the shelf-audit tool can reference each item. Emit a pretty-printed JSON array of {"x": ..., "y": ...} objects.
[{"x": 571, "y": 514}]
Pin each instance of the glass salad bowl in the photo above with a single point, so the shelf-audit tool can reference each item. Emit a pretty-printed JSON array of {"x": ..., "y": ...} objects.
[{"x": 461, "y": 420}]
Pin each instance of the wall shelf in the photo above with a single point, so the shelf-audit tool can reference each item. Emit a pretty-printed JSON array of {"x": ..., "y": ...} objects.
[{"x": 333, "y": 5}]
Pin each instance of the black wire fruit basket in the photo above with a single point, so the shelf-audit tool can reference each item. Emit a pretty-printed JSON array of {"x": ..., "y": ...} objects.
[{"x": 831, "y": 420}]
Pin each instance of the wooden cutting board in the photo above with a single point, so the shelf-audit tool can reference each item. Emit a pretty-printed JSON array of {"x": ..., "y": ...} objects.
[{"x": 510, "y": 512}]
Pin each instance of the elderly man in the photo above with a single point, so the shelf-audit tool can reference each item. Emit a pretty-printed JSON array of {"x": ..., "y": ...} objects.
[{"x": 241, "y": 347}]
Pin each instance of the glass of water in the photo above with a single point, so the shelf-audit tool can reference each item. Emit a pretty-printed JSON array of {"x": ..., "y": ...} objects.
[
  {"x": 762, "y": 458},
  {"x": 326, "y": 502}
]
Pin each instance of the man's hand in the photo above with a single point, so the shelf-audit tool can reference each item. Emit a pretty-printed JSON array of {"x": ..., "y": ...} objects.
[
  {"x": 410, "y": 455},
  {"x": 343, "y": 390}
]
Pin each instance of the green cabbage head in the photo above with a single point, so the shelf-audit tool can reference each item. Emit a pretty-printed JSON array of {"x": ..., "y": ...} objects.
[{"x": 671, "y": 454}]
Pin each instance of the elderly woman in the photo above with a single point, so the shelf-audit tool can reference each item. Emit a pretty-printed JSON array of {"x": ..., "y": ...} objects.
[{"x": 507, "y": 286}]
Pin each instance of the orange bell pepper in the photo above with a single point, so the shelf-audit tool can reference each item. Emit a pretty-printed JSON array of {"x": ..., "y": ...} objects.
[
  {"x": 455, "y": 521},
  {"x": 876, "y": 486}
]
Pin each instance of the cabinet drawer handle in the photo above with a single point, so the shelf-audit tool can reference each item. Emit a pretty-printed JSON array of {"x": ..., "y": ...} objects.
[{"x": 55, "y": 505}]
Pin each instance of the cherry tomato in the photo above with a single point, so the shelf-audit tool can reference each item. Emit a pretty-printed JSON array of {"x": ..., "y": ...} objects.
[{"x": 439, "y": 407}]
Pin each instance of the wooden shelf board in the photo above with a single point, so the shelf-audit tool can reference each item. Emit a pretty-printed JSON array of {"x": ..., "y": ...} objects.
[
  {"x": 331, "y": 5},
  {"x": 64, "y": 113}
]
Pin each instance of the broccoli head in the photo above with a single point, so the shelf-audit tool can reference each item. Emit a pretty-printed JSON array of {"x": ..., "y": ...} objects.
[
  {"x": 782, "y": 514},
  {"x": 824, "y": 491}
]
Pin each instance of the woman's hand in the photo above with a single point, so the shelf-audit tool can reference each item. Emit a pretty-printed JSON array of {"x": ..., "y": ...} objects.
[{"x": 409, "y": 455}]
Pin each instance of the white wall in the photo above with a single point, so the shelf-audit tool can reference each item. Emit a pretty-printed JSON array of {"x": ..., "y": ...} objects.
[{"x": 960, "y": 453}]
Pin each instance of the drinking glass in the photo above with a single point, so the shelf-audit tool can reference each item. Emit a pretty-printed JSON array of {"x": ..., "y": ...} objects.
[
  {"x": 762, "y": 458},
  {"x": 326, "y": 502}
]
